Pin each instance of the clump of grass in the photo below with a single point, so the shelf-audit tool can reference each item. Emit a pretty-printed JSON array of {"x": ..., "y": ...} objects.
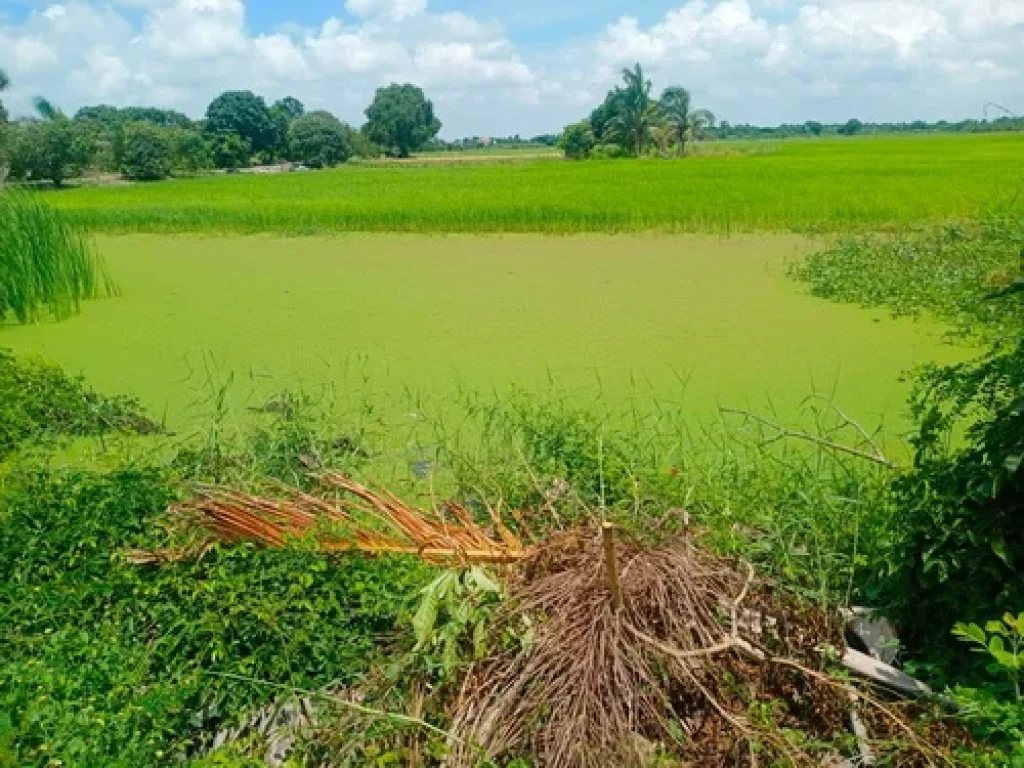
[
  {"x": 46, "y": 264},
  {"x": 950, "y": 271}
]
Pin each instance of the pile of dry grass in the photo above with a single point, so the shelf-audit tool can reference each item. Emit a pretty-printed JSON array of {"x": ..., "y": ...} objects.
[{"x": 636, "y": 654}]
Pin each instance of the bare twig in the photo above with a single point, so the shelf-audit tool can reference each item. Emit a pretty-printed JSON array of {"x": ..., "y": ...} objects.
[{"x": 783, "y": 432}]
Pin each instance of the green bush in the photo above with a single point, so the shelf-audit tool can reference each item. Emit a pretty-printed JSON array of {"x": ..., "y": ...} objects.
[
  {"x": 230, "y": 151},
  {"x": 577, "y": 141},
  {"x": 192, "y": 151},
  {"x": 317, "y": 139},
  {"x": 608, "y": 151},
  {"x": 961, "y": 553},
  {"x": 38, "y": 401},
  {"x": 147, "y": 152},
  {"x": 106, "y": 663}
]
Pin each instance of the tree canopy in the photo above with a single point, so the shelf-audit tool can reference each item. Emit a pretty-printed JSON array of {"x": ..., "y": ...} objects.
[
  {"x": 147, "y": 152},
  {"x": 246, "y": 115},
  {"x": 318, "y": 140},
  {"x": 629, "y": 120},
  {"x": 401, "y": 119}
]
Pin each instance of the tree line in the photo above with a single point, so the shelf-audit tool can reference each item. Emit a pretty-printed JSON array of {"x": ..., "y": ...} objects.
[
  {"x": 239, "y": 129},
  {"x": 630, "y": 122}
]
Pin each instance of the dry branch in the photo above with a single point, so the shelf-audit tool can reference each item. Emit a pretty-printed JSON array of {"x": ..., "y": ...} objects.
[{"x": 352, "y": 519}]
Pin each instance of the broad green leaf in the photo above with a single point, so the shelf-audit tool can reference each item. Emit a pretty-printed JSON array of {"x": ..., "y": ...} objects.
[
  {"x": 482, "y": 580},
  {"x": 970, "y": 632},
  {"x": 996, "y": 646},
  {"x": 426, "y": 617}
]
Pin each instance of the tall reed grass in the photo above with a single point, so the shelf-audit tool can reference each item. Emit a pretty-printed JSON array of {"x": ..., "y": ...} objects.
[{"x": 46, "y": 264}]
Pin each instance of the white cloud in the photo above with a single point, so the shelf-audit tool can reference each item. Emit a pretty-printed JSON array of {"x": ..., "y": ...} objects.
[
  {"x": 748, "y": 60},
  {"x": 396, "y": 10}
]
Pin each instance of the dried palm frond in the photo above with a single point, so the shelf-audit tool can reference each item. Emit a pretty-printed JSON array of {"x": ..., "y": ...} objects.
[{"x": 353, "y": 518}]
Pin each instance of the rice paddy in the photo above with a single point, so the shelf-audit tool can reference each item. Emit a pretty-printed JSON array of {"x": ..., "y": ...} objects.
[{"x": 833, "y": 185}]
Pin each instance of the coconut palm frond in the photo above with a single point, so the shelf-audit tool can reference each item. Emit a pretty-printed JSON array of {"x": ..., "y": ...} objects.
[{"x": 352, "y": 519}]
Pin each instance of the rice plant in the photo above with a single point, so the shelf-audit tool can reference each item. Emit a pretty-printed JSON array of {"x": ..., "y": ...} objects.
[{"x": 46, "y": 264}]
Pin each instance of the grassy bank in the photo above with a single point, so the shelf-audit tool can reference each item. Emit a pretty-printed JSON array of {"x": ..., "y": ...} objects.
[{"x": 815, "y": 186}]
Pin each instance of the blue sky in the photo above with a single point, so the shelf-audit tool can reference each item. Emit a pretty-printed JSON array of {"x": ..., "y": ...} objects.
[{"x": 494, "y": 67}]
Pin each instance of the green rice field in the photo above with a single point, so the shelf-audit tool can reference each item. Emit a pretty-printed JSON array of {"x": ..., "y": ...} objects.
[
  {"x": 832, "y": 185},
  {"x": 399, "y": 323}
]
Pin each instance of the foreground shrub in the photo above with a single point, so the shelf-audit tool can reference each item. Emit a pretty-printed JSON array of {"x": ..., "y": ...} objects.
[
  {"x": 960, "y": 508},
  {"x": 45, "y": 263},
  {"x": 38, "y": 401},
  {"x": 147, "y": 152},
  {"x": 106, "y": 663}
]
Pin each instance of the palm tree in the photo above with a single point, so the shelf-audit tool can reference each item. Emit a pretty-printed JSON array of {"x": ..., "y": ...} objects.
[
  {"x": 685, "y": 123},
  {"x": 638, "y": 114}
]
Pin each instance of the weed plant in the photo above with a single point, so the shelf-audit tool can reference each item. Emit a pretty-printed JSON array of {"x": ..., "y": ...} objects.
[
  {"x": 950, "y": 271},
  {"x": 46, "y": 264}
]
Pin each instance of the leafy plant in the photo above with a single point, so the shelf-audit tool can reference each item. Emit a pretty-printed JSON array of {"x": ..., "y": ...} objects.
[
  {"x": 451, "y": 623},
  {"x": 997, "y": 710}
]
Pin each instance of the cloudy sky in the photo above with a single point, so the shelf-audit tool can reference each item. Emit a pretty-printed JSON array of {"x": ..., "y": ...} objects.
[{"x": 526, "y": 66}]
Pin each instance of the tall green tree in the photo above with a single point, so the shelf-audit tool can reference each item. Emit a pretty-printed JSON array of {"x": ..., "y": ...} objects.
[
  {"x": 638, "y": 113},
  {"x": 401, "y": 119},
  {"x": 49, "y": 148},
  {"x": 5, "y": 83},
  {"x": 246, "y": 115},
  {"x": 685, "y": 124}
]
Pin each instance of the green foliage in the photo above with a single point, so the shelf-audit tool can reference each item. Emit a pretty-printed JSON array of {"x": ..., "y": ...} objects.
[
  {"x": 400, "y": 119},
  {"x": 243, "y": 114},
  {"x": 230, "y": 150},
  {"x": 318, "y": 140},
  {"x": 192, "y": 152},
  {"x": 147, "y": 153},
  {"x": 577, "y": 141},
  {"x": 39, "y": 401},
  {"x": 949, "y": 270},
  {"x": 106, "y": 663},
  {"x": 608, "y": 152},
  {"x": 5, "y": 83},
  {"x": 45, "y": 263},
  {"x": 852, "y": 128},
  {"x": 450, "y": 624},
  {"x": 961, "y": 553},
  {"x": 291, "y": 106},
  {"x": 637, "y": 113},
  {"x": 47, "y": 150},
  {"x": 996, "y": 710}
]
